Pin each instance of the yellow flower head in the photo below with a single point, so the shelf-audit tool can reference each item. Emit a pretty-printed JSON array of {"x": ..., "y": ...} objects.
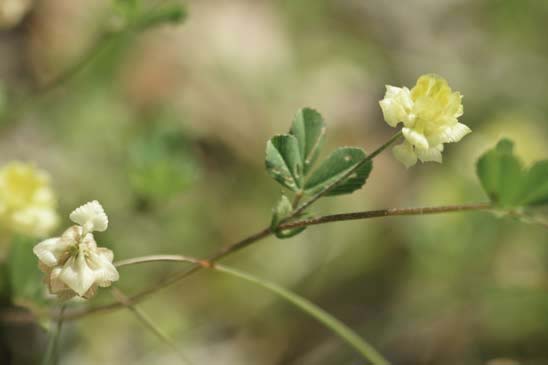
[
  {"x": 27, "y": 202},
  {"x": 429, "y": 113}
]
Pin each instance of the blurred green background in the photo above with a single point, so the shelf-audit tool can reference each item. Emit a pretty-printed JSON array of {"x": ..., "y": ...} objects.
[{"x": 167, "y": 129}]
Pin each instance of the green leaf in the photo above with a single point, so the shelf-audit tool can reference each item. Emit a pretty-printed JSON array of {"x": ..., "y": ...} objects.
[
  {"x": 281, "y": 211},
  {"x": 339, "y": 163},
  {"x": 501, "y": 174},
  {"x": 309, "y": 129},
  {"x": 25, "y": 279},
  {"x": 535, "y": 187},
  {"x": 283, "y": 161}
]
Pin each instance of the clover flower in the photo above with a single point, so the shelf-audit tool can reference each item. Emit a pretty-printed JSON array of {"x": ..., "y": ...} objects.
[
  {"x": 73, "y": 263},
  {"x": 27, "y": 202},
  {"x": 429, "y": 113}
]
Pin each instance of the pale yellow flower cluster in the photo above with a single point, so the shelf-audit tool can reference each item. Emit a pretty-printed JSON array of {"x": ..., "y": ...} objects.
[
  {"x": 27, "y": 202},
  {"x": 73, "y": 264},
  {"x": 13, "y": 11},
  {"x": 429, "y": 113}
]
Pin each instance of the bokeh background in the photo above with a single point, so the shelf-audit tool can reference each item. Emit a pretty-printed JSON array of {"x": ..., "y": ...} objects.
[{"x": 167, "y": 129}]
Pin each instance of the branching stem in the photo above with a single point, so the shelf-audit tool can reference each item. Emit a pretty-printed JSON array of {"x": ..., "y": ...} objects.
[
  {"x": 237, "y": 246},
  {"x": 335, "y": 325},
  {"x": 329, "y": 187}
]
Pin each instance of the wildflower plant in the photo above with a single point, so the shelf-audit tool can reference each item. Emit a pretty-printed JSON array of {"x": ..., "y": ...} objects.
[{"x": 75, "y": 266}]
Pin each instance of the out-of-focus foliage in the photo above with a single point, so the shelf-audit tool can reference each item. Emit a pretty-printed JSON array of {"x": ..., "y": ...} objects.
[
  {"x": 161, "y": 163},
  {"x": 508, "y": 183},
  {"x": 501, "y": 175},
  {"x": 25, "y": 279},
  {"x": 453, "y": 289}
]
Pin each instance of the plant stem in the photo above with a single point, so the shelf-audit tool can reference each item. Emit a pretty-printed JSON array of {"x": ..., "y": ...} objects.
[
  {"x": 384, "y": 213},
  {"x": 145, "y": 319},
  {"x": 338, "y": 327},
  {"x": 228, "y": 250},
  {"x": 95, "y": 50},
  {"x": 51, "y": 356},
  {"x": 324, "y": 191},
  {"x": 89, "y": 56},
  {"x": 151, "y": 258}
]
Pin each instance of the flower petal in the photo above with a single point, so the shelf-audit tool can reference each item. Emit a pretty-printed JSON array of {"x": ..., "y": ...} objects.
[
  {"x": 431, "y": 154},
  {"x": 91, "y": 216},
  {"x": 101, "y": 263},
  {"x": 77, "y": 275},
  {"x": 396, "y": 105},
  {"x": 415, "y": 138},
  {"x": 405, "y": 154},
  {"x": 55, "y": 285},
  {"x": 51, "y": 251},
  {"x": 457, "y": 132}
]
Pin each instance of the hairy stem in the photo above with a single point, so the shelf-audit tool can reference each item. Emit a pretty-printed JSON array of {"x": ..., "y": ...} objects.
[
  {"x": 331, "y": 186},
  {"x": 384, "y": 213},
  {"x": 237, "y": 246}
]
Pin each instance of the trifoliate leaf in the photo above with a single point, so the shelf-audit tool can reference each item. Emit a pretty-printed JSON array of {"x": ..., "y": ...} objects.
[
  {"x": 339, "y": 163},
  {"x": 281, "y": 211},
  {"x": 283, "y": 161},
  {"x": 309, "y": 129},
  {"x": 501, "y": 174}
]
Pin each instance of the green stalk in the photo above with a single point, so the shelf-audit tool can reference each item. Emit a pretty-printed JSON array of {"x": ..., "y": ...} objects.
[
  {"x": 51, "y": 356},
  {"x": 339, "y": 328},
  {"x": 145, "y": 319},
  {"x": 298, "y": 210}
]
